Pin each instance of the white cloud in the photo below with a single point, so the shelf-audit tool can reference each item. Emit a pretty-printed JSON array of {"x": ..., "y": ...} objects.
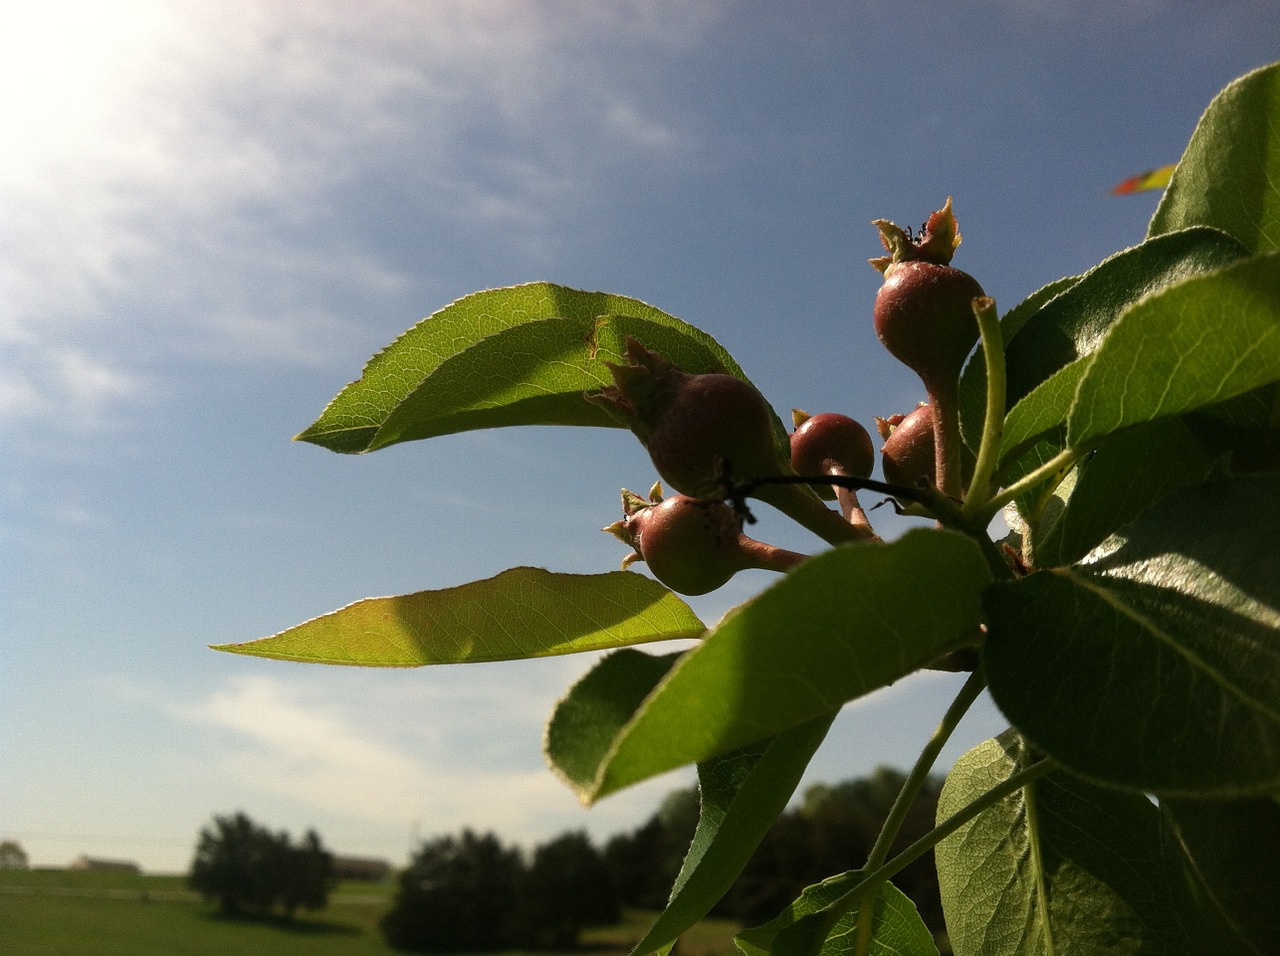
[
  {"x": 380, "y": 758},
  {"x": 183, "y": 173}
]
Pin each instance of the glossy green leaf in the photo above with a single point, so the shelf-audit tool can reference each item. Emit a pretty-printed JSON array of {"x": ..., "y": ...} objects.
[
  {"x": 1229, "y": 850},
  {"x": 973, "y": 382},
  {"x": 1126, "y": 475},
  {"x": 1155, "y": 663},
  {"x": 1201, "y": 341},
  {"x": 1060, "y": 866},
  {"x": 1229, "y": 172},
  {"x": 802, "y": 930},
  {"x": 742, "y": 793},
  {"x": 523, "y": 612},
  {"x": 542, "y": 370},
  {"x": 586, "y": 720},
  {"x": 834, "y": 629},
  {"x": 1073, "y": 324},
  {"x": 1044, "y": 408}
]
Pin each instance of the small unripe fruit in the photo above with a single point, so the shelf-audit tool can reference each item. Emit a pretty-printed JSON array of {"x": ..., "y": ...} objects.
[
  {"x": 924, "y": 317},
  {"x": 696, "y": 428},
  {"x": 693, "y": 546},
  {"x": 832, "y": 444},
  {"x": 907, "y": 457}
]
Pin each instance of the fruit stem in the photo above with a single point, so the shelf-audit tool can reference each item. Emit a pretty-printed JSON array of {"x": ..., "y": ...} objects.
[
  {"x": 851, "y": 509},
  {"x": 802, "y": 506},
  {"x": 769, "y": 557},
  {"x": 947, "y": 444},
  {"x": 984, "y": 309}
]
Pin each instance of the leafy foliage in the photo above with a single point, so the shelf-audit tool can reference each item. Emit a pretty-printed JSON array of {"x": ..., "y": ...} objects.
[
  {"x": 470, "y": 893},
  {"x": 1125, "y": 421},
  {"x": 251, "y": 871}
]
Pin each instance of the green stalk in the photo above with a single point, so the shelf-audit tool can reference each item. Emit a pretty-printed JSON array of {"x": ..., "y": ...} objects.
[
  {"x": 911, "y": 788},
  {"x": 958, "y": 819},
  {"x": 1060, "y": 462},
  {"x": 866, "y": 887},
  {"x": 993, "y": 422}
]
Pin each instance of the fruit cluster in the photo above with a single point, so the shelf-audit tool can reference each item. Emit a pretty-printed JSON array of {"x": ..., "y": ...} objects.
[{"x": 712, "y": 436}]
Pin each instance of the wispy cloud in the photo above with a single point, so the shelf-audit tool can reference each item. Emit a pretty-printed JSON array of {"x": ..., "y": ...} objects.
[
  {"x": 387, "y": 762},
  {"x": 187, "y": 178}
]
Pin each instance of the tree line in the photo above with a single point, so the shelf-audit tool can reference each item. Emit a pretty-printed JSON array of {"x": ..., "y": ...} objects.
[{"x": 472, "y": 892}]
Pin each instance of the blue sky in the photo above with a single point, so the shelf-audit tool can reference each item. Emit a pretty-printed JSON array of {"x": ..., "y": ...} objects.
[{"x": 214, "y": 214}]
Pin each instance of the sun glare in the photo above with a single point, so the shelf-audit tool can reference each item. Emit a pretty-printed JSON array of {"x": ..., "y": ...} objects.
[{"x": 63, "y": 64}]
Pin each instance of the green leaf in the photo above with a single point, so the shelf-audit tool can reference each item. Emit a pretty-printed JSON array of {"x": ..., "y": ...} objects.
[
  {"x": 586, "y": 720},
  {"x": 1155, "y": 663},
  {"x": 1229, "y": 173},
  {"x": 803, "y": 929},
  {"x": 523, "y": 612},
  {"x": 1229, "y": 850},
  {"x": 1044, "y": 408},
  {"x": 1201, "y": 341},
  {"x": 837, "y": 627},
  {"x": 742, "y": 794},
  {"x": 1072, "y": 325},
  {"x": 1126, "y": 475},
  {"x": 973, "y": 383},
  {"x": 1060, "y": 866},
  {"x": 543, "y": 370}
]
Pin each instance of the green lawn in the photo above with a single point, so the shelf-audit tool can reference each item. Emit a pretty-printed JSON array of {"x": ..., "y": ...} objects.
[{"x": 121, "y": 914}]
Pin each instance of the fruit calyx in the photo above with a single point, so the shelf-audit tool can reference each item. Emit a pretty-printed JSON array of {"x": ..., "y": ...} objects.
[
  {"x": 692, "y": 546},
  {"x": 937, "y": 241}
]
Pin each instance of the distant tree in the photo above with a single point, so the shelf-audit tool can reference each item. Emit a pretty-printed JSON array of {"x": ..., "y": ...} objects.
[
  {"x": 251, "y": 871},
  {"x": 458, "y": 894},
  {"x": 832, "y": 830},
  {"x": 566, "y": 888},
  {"x": 305, "y": 875},
  {"x": 643, "y": 864},
  {"x": 13, "y": 856}
]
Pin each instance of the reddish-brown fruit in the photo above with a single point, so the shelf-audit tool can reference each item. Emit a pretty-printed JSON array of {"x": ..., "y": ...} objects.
[
  {"x": 832, "y": 444},
  {"x": 907, "y": 457},
  {"x": 693, "y": 546},
  {"x": 695, "y": 427},
  {"x": 924, "y": 316},
  {"x": 690, "y": 546}
]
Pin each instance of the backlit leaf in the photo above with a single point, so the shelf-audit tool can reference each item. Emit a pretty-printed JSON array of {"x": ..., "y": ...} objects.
[
  {"x": 1060, "y": 866},
  {"x": 742, "y": 793},
  {"x": 803, "y": 928},
  {"x": 547, "y": 369},
  {"x": 523, "y": 612},
  {"x": 832, "y": 630},
  {"x": 1229, "y": 174}
]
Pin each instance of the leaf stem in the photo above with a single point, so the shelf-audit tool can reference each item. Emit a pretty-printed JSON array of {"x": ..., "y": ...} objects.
[
  {"x": 984, "y": 308},
  {"x": 870, "y": 883},
  {"x": 962, "y": 816},
  {"x": 1060, "y": 462},
  {"x": 911, "y": 789}
]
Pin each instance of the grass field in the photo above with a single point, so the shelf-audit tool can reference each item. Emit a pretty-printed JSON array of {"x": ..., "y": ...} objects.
[{"x": 121, "y": 914}]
